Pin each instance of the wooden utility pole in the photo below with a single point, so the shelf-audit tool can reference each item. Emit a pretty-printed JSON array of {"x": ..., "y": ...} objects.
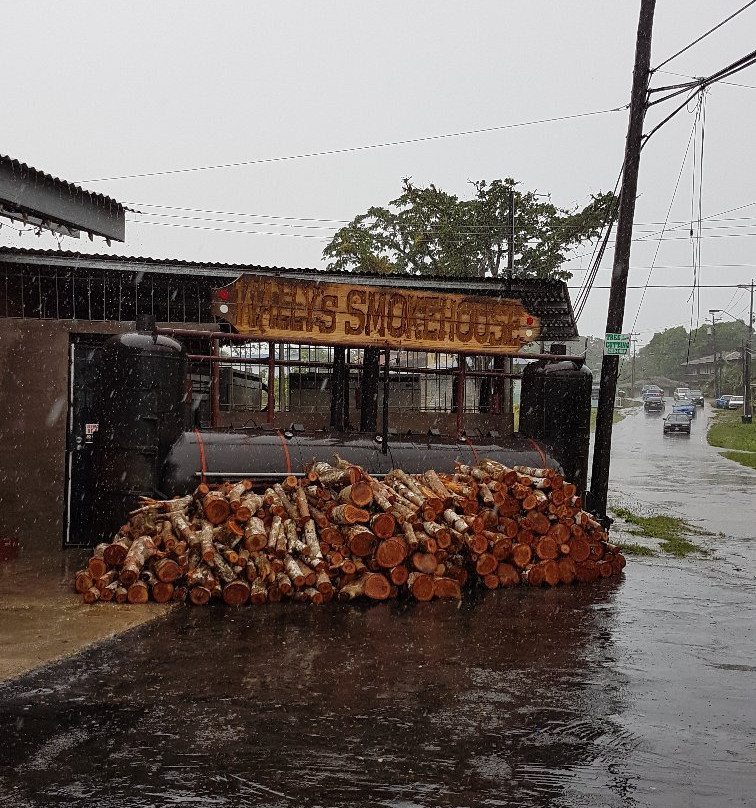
[
  {"x": 604, "y": 416},
  {"x": 747, "y": 410}
]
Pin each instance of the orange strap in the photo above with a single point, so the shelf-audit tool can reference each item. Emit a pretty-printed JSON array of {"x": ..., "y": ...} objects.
[
  {"x": 475, "y": 454},
  {"x": 203, "y": 461},
  {"x": 285, "y": 451},
  {"x": 540, "y": 452}
]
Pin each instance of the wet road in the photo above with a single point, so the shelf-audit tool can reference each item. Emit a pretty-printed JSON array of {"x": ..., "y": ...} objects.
[{"x": 636, "y": 692}]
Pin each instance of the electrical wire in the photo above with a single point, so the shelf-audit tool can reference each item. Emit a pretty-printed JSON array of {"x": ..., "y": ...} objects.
[
  {"x": 703, "y": 36},
  {"x": 351, "y": 149}
]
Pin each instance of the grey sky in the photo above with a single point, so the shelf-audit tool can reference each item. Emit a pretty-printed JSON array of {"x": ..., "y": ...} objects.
[{"x": 94, "y": 89}]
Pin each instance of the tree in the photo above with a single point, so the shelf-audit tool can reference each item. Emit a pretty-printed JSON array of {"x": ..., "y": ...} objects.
[{"x": 427, "y": 231}]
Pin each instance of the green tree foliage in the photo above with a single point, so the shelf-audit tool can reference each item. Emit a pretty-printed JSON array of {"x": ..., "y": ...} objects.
[
  {"x": 670, "y": 349},
  {"x": 427, "y": 231}
]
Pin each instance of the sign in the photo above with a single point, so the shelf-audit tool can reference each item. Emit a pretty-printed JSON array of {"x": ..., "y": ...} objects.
[
  {"x": 280, "y": 310},
  {"x": 616, "y": 344}
]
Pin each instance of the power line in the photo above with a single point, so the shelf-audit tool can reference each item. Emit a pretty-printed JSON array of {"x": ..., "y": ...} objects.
[
  {"x": 703, "y": 36},
  {"x": 728, "y": 83},
  {"x": 350, "y": 149}
]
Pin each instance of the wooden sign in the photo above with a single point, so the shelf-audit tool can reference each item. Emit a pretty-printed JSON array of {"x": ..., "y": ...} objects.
[{"x": 279, "y": 310}]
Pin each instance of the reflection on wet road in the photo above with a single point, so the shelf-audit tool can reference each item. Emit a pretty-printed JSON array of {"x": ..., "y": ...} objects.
[{"x": 626, "y": 693}]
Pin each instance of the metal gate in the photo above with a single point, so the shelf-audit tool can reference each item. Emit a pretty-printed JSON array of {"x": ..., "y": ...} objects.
[{"x": 83, "y": 382}]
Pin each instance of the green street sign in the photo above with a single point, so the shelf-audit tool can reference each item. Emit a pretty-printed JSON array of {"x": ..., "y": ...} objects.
[{"x": 616, "y": 344}]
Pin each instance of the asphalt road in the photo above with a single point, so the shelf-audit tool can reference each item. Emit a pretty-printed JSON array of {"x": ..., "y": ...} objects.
[{"x": 634, "y": 692}]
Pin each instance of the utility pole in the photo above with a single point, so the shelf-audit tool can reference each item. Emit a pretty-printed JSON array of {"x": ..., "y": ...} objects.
[
  {"x": 713, "y": 312},
  {"x": 507, "y": 397},
  {"x": 747, "y": 410},
  {"x": 602, "y": 445}
]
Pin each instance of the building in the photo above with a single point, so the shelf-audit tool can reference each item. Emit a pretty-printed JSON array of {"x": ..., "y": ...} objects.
[
  {"x": 57, "y": 308},
  {"x": 699, "y": 371}
]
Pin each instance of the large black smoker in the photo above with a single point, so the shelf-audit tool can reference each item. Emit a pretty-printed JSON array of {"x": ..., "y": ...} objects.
[{"x": 143, "y": 445}]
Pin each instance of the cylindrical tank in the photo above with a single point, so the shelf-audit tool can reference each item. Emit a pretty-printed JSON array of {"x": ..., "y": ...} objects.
[
  {"x": 555, "y": 407},
  {"x": 261, "y": 455},
  {"x": 141, "y": 412}
]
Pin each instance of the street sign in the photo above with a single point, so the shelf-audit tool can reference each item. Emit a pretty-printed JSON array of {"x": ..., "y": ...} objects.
[{"x": 616, "y": 344}]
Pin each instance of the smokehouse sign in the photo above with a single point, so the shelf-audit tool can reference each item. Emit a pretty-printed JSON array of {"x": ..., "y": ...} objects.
[{"x": 279, "y": 310}]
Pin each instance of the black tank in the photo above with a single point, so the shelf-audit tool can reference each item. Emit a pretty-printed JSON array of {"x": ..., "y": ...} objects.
[{"x": 141, "y": 406}]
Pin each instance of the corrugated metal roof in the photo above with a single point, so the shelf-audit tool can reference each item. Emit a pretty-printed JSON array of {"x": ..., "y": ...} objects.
[{"x": 35, "y": 175}]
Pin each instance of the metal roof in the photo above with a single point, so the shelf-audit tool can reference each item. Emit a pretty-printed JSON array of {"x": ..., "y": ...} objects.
[
  {"x": 30, "y": 195},
  {"x": 547, "y": 299}
]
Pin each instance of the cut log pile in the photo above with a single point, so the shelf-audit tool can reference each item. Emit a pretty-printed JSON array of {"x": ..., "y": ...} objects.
[{"x": 341, "y": 533}]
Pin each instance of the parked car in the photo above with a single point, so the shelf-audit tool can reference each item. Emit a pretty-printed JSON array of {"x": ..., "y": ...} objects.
[
  {"x": 653, "y": 403},
  {"x": 686, "y": 407},
  {"x": 735, "y": 403},
  {"x": 677, "y": 422},
  {"x": 696, "y": 396},
  {"x": 681, "y": 392},
  {"x": 723, "y": 401}
]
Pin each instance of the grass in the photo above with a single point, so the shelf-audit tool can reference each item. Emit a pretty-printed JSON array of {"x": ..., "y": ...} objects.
[
  {"x": 744, "y": 458},
  {"x": 670, "y": 530},
  {"x": 628, "y": 548},
  {"x": 728, "y": 432},
  {"x": 616, "y": 418}
]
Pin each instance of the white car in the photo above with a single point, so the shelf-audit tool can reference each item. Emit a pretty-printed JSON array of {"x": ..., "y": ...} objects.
[
  {"x": 735, "y": 403},
  {"x": 682, "y": 392}
]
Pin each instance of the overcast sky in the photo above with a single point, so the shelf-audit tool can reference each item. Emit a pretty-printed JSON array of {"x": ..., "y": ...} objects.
[{"x": 93, "y": 90}]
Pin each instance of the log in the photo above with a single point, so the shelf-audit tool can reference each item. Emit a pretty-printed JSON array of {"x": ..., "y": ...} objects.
[
  {"x": 508, "y": 574},
  {"x": 486, "y": 564},
  {"x": 83, "y": 581},
  {"x": 580, "y": 549},
  {"x": 289, "y": 506},
  {"x": 508, "y": 527},
  {"x": 551, "y": 573},
  {"x": 424, "y": 562},
  {"x": 284, "y": 584},
  {"x": 491, "y": 581},
  {"x": 138, "y": 592},
  {"x": 294, "y": 571},
  {"x": 361, "y": 541},
  {"x": 216, "y": 507},
  {"x": 383, "y": 525},
  {"x": 352, "y": 590},
  {"x": 501, "y": 548},
  {"x": 399, "y": 575},
  {"x": 566, "y": 570},
  {"x": 349, "y": 515},
  {"x": 302, "y": 505},
  {"x": 547, "y": 549},
  {"x": 97, "y": 565},
  {"x": 390, "y": 552},
  {"x": 376, "y": 586},
  {"x": 91, "y": 595},
  {"x": 115, "y": 554},
  {"x": 293, "y": 543},
  {"x": 421, "y": 586},
  {"x": 359, "y": 494},
  {"x": 323, "y": 583},
  {"x": 236, "y": 593},
  {"x": 140, "y": 551},
  {"x": 447, "y": 588},
  {"x": 162, "y": 591},
  {"x": 534, "y": 575},
  {"x": 199, "y": 595},
  {"x": 258, "y": 592},
  {"x": 167, "y": 570},
  {"x": 538, "y": 522},
  {"x": 521, "y": 555}
]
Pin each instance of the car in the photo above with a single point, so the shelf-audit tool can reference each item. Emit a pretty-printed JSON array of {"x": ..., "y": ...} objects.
[
  {"x": 696, "y": 396},
  {"x": 686, "y": 407},
  {"x": 735, "y": 402},
  {"x": 653, "y": 403},
  {"x": 681, "y": 392},
  {"x": 677, "y": 422},
  {"x": 723, "y": 401}
]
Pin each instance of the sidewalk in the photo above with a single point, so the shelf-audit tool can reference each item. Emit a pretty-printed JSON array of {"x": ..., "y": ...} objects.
[{"x": 41, "y": 617}]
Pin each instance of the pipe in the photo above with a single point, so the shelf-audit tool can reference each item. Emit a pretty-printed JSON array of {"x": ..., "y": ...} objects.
[
  {"x": 215, "y": 387},
  {"x": 271, "y": 408},
  {"x": 461, "y": 382}
]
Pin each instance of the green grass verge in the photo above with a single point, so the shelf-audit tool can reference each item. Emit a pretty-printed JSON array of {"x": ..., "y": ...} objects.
[
  {"x": 728, "y": 432},
  {"x": 670, "y": 530},
  {"x": 628, "y": 548},
  {"x": 744, "y": 458},
  {"x": 616, "y": 418}
]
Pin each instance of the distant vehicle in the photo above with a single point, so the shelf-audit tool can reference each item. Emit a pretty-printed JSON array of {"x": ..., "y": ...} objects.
[
  {"x": 682, "y": 392},
  {"x": 723, "y": 401},
  {"x": 696, "y": 396},
  {"x": 686, "y": 407},
  {"x": 652, "y": 390},
  {"x": 735, "y": 403},
  {"x": 677, "y": 422},
  {"x": 653, "y": 403}
]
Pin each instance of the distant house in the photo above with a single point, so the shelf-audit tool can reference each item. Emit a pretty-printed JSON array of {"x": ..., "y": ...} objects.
[{"x": 702, "y": 369}]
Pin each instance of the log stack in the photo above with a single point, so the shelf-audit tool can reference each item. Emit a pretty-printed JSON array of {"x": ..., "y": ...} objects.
[{"x": 340, "y": 533}]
